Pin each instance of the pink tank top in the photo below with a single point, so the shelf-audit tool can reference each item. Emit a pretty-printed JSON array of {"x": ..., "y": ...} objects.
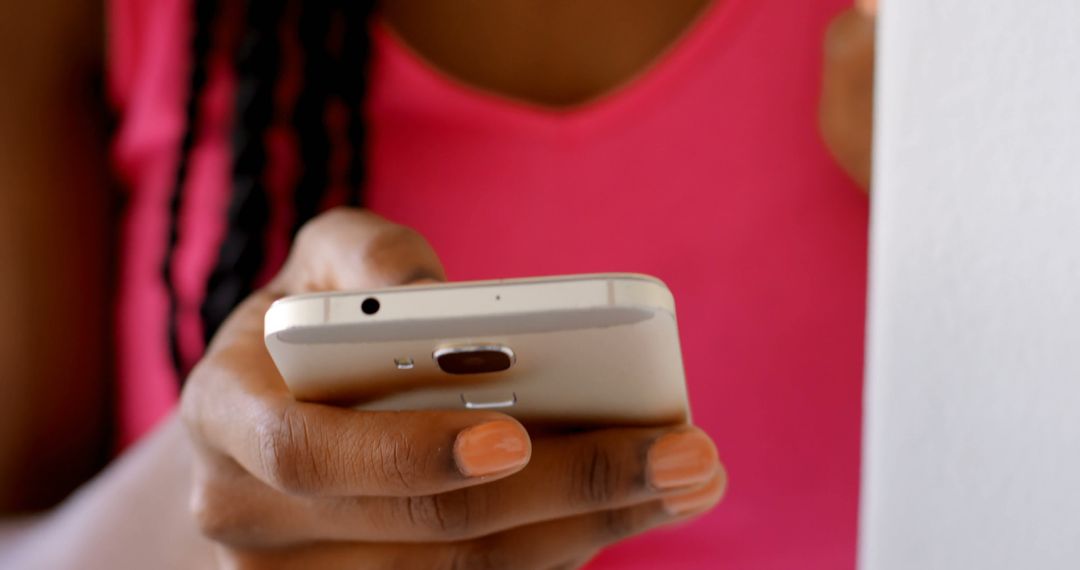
[{"x": 706, "y": 171}]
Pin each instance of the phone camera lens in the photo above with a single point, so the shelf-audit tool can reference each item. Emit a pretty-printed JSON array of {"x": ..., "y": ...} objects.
[
  {"x": 474, "y": 359},
  {"x": 370, "y": 306}
]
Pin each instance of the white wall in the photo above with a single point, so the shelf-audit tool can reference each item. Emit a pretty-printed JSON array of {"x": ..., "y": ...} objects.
[{"x": 972, "y": 439}]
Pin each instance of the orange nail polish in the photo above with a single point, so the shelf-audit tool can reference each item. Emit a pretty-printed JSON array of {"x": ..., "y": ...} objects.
[
  {"x": 696, "y": 500},
  {"x": 682, "y": 459},
  {"x": 491, "y": 448}
]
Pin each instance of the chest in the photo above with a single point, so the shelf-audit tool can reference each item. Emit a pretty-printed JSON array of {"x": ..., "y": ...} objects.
[{"x": 708, "y": 160}]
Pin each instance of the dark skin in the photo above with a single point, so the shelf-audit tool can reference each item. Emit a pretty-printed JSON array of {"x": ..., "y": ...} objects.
[
  {"x": 564, "y": 54},
  {"x": 846, "y": 114},
  {"x": 556, "y": 55}
]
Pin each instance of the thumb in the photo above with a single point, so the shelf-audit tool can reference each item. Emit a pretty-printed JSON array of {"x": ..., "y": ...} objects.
[{"x": 356, "y": 249}]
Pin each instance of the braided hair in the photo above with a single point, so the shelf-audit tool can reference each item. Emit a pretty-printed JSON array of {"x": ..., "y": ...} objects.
[{"x": 332, "y": 72}]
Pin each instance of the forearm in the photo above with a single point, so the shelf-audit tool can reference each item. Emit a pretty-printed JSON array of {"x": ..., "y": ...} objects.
[{"x": 134, "y": 515}]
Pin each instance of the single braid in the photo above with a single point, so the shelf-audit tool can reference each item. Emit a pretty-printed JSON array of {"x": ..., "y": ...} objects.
[
  {"x": 309, "y": 117},
  {"x": 202, "y": 40},
  {"x": 355, "y": 74},
  {"x": 241, "y": 255},
  {"x": 327, "y": 74}
]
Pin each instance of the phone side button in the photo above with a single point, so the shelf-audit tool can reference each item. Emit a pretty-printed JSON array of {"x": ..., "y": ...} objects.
[{"x": 489, "y": 403}]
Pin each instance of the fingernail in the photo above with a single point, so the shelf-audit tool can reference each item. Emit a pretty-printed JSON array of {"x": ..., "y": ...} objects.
[
  {"x": 682, "y": 459},
  {"x": 491, "y": 448},
  {"x": 868, "y": 7},
  {"x": 696, "y": 500}
]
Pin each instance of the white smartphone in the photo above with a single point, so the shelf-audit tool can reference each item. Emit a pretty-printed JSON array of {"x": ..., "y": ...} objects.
[{"x": 576, "y": 350}]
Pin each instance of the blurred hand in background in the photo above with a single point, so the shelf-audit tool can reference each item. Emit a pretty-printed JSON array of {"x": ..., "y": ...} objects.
[{"x": 846, "y": 114}]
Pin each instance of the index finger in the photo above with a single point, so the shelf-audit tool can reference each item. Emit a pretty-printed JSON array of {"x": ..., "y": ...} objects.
[{"x": 313, "y": 449}]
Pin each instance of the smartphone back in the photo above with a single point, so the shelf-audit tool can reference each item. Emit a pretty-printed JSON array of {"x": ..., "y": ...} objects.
[{"x": 581, "y": 350}]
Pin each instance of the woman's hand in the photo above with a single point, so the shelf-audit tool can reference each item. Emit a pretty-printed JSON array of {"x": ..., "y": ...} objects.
[
  {"x": 847, "y": 102},
  {"x": 287, "y": 484}
]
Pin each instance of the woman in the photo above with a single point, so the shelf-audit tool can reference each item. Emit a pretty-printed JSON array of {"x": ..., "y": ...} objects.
[{"x": 520, "y": 138}]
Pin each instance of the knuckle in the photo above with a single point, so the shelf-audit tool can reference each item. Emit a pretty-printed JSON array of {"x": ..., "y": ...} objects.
[
  {"x": 284, "y": 448},
  {"x": 596, "y": 476},
  {"x": 438, "y": 517},
  {"x": 452, "y": 516},
  {"x": 199, "y": 387},
  {"x": 395, "y": 461}
]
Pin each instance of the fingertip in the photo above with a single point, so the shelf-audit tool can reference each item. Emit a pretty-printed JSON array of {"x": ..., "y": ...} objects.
[
  {"x": 681, "y": 459},
  {"x": 494, "y": 448},
  {"x": 699, "y": 500}
]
